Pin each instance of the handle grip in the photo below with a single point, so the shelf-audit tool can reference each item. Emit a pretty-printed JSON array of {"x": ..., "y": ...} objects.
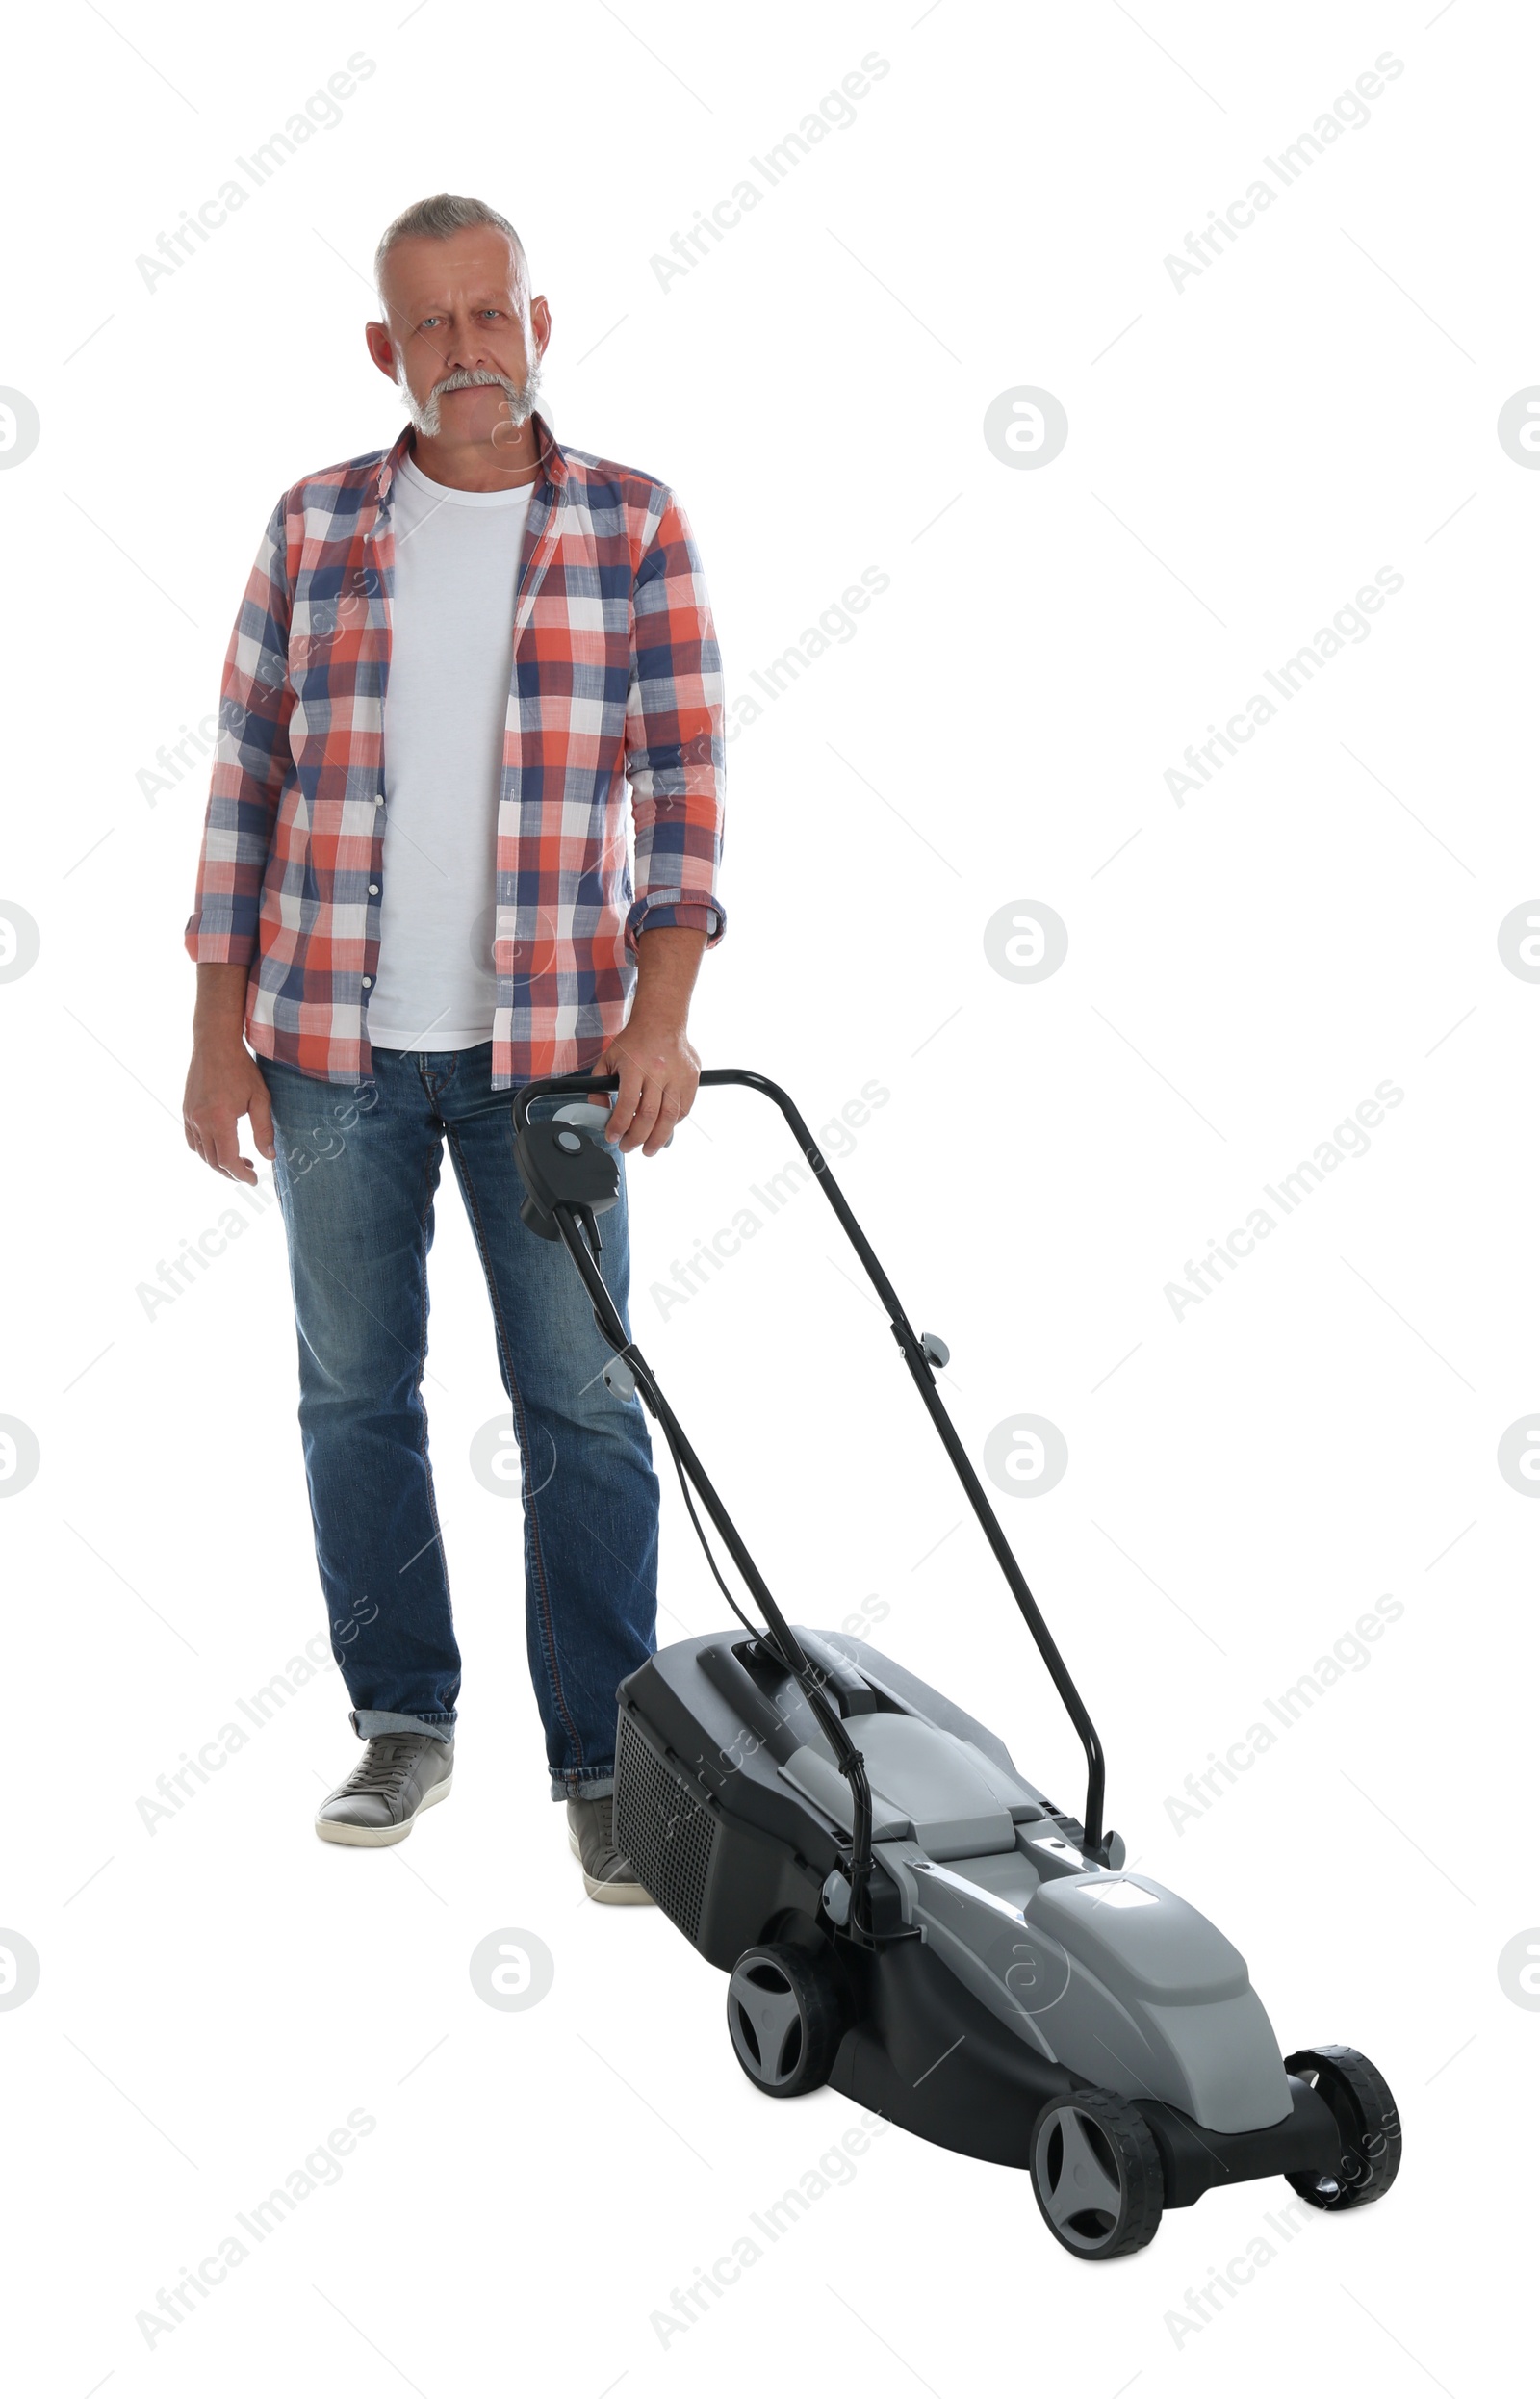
[{"x": 528, "y": 1092}]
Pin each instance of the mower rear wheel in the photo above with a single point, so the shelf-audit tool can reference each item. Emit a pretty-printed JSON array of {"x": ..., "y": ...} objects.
[
  {"x": 1096, "y": 2175},
  {"x": 1359, "y": 2097},
  {"x": 786, "y": 2014}
]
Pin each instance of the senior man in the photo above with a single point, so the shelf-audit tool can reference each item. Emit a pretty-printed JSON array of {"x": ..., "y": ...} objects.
[{"x": 415, "y": 894}]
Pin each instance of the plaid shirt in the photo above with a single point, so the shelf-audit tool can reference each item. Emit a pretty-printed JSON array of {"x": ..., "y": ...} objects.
[{"x": 614, "y": 674}]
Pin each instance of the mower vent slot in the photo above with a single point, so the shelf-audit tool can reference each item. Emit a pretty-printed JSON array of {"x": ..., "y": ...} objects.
[{"x": 663, "y": 1827}]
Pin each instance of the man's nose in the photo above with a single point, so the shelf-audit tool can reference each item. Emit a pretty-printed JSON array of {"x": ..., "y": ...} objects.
[{"x": 467, "y": 350}]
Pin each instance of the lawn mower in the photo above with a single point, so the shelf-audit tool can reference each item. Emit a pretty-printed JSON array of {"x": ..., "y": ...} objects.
[{"x": 900, "y": 1912}]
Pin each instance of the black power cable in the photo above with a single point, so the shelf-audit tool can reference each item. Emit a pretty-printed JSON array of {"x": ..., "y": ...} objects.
[
  {"x": 827, "y": 1718},
  {"x": 758, "y": 1633},
  {"x": 581, "y": 1234}
]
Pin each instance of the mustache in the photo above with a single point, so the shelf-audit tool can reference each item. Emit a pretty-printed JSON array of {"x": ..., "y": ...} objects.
[
  {"x": 467, "y": 378},
  {"x": 520, "y": 397}
]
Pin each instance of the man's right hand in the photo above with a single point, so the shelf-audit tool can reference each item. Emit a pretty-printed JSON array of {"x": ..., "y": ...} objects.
[
  {"x": 224, "y": 1081},
  {"x": 224, "y": 1084}
]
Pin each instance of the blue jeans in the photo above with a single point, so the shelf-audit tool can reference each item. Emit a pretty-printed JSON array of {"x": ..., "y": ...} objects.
[{"x": 356, "y": 1171}]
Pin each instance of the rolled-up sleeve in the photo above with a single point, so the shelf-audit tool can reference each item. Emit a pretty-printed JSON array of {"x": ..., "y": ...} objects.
[
  {"x": 251, "y": 765},
  {"x": 674, "y": 746}
]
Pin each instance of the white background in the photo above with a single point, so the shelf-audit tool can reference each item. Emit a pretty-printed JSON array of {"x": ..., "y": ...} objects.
[{"x": 1244, "y": 1480}]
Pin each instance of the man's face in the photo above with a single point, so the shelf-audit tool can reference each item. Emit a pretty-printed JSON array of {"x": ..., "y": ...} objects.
[{"x": 459, "y": 309}]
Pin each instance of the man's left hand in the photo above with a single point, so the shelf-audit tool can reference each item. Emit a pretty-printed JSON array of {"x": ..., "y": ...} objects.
[{"x": 658, "y": 1074}]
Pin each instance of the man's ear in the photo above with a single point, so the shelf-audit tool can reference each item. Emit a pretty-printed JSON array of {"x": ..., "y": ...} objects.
[{"x": 381, "y": 348}]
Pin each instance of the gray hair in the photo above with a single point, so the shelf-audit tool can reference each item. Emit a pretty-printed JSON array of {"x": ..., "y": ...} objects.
[{"x": 446, "y": 212}]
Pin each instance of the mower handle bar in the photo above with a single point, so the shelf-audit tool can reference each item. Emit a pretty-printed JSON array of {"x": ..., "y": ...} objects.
[{"x": 920, "y": 1367}]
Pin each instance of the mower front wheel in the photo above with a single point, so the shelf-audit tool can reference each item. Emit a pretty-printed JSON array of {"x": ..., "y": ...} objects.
[
  {"x": 1370, "y": 2148},
  {"x": 786, "y": 2014},
  {"x": 1096, "y": 2175}
]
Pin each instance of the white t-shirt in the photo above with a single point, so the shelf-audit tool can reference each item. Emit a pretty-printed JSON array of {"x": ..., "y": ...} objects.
[{"x": 446, "y": 706}]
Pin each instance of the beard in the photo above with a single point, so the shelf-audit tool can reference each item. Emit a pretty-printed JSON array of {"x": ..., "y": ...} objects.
[{"x": 426, "y": 415}]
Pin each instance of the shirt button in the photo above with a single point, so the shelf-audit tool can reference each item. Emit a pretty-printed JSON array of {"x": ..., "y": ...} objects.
[
  {"x": 368, "y": 981},
  {"x": 379, "y": 799},
  {"x": 373, "y": 890}
]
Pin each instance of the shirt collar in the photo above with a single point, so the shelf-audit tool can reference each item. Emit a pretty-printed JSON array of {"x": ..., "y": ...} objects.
[{"x": 552, "y": 458}]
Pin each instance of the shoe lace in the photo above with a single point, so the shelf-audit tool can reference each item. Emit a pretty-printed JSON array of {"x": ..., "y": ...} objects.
[
  {"x": 384, "y": 1767},
  {"x": 599, "y": 1816}
]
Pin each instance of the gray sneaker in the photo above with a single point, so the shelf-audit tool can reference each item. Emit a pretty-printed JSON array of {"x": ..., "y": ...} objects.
[
  {"x": 397, "y": 1774},
  {"x": 608, "y": 1876}
]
